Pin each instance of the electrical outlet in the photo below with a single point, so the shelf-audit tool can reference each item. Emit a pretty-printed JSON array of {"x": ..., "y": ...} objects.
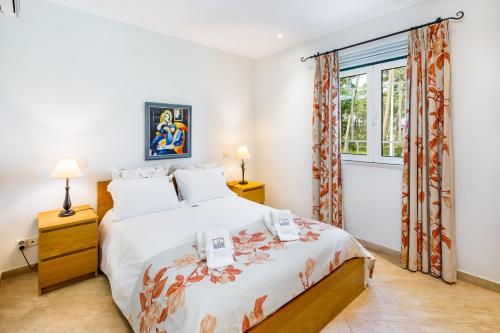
[
  {"x": 32, "y": 241},
  {"x": 28, "y": 242}
]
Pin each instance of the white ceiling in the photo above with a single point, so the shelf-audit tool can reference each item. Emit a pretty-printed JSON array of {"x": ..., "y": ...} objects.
[{"x": 245, "y": 27}]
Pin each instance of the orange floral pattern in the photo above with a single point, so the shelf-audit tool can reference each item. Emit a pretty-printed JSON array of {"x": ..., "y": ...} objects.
[
  {"x": 336, "y": 263},
  {"x": 428, "y": 225},
  {"x": 304, "y": 276},
  {"x": 208, "y": 324},
  {"x": 255, "y": 316},
  {"x": 177, "y": 279},
  {"x": 326, "y": 165},
  {"x": 152, "y": 312}
]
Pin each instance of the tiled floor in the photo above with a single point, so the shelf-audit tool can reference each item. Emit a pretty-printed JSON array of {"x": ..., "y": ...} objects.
[{"x": 397, "y": 301}]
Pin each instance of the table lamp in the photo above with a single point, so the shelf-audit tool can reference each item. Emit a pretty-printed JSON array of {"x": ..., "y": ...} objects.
[
  {"x": 243, "y": 154},
  {"x": 67, "y": 169}
]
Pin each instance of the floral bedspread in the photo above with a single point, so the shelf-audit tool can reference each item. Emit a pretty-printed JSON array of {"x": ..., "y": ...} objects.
[{"x": 178, "y": 293}]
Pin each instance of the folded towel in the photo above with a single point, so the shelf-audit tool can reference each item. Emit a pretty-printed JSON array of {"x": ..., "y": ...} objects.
[
  {"x": 219, "y": 249},
  {"x": 200, "y": 244},
  {"x": 282, "y": 221}
]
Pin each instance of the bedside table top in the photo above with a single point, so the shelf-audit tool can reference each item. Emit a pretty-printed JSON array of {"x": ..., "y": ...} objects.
[
  {"x": 50, "y": 219},
  {"x": 250, "y": 186}
]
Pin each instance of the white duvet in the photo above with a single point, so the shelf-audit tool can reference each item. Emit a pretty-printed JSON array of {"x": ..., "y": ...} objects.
[{"x": 126, "y": 245}]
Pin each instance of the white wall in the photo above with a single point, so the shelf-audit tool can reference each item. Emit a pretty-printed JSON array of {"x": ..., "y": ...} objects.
[
  {"x": 74, "y": 85},
  {"x": 283, "y": 90}
]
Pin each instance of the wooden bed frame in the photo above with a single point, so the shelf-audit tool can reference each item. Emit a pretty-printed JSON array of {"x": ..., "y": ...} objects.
[{"x": 312, "y": 310}]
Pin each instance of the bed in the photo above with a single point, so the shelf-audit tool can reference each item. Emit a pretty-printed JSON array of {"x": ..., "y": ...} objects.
[{"x": 149, "y": 260}]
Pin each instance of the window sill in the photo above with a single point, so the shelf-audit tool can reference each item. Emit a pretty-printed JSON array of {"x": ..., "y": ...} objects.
[{"x": 373, "y": 164}]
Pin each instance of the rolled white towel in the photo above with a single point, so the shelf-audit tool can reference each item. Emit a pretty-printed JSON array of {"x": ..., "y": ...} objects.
[
  {"x": 200, "y": 244},
  {"x": 267, "y": 221},
  {"x": 219, "y": 249},
  {"x": 282, "y": 221}
]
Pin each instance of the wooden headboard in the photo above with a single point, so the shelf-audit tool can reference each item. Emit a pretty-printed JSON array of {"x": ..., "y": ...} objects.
[{"x": 104, "y": 199}]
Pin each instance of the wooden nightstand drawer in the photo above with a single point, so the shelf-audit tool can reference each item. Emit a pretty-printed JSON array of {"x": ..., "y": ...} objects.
[
  {"x": 67, "y": 239},
  {"x": 257, "y": 195},
  {"x": 253, "y": 191},
  {"x": 53, "y": 271}
]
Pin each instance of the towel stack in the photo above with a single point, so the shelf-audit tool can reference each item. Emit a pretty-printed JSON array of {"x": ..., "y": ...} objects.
[
  {"x": 280, "y": 223},
  {"x": 216, "y": 247}
]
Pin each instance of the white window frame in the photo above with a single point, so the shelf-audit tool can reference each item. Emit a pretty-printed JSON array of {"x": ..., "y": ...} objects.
[
  {"x": 377, "y": 90},
  {"x": 368, "y": 70},
  {"x": 374, "y": 113}
]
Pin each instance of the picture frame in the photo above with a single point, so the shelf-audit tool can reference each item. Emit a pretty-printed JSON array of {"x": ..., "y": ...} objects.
[{"x": 167, "y": 131}]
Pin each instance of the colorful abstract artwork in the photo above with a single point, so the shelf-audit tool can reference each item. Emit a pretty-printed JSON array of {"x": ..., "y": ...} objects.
[{"x": 168, "y": 131}]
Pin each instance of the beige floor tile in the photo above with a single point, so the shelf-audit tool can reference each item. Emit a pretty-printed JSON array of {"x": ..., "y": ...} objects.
[
  {"x": 442, "y": 315},
  {"x": 486, "y": 315},
  {"x": 380, "y": 326},
  {"x": 338, "y": 325},
  {"x": 73, "y": 300},
  {"x": 457, "y": 328},
  {"x": 5, "y": 321},
  {"x": 376, "y": 315},
  {"x": 376, "y": 295},
  {"x": 490, "y": 327},
  {"x": 106, "y": 307},
  {"x": 363, "y": 308},
  {"x": 104, "y": 324},
  {"x": 56, "y": 328},
  {"x": 43, "y": 317},
  {"x": 21, "y": 326},
  {"x": 14, "y": 308}
]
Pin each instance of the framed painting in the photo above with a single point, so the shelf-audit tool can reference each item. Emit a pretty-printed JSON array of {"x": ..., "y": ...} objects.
[{"x": 168, "y": 131}]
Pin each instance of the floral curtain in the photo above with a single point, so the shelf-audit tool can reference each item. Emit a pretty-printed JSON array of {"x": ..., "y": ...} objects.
[
  {"x": 428, "y": 221},
  {"x": 326, "y": 167}
]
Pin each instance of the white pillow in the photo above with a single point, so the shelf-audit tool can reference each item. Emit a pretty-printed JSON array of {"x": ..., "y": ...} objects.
[
  {"x": 201, "y": 185},
  {"x": 188, "y": 166},
  {"x": 133, "y": 197},
  {"x": 144, "y": 172}
]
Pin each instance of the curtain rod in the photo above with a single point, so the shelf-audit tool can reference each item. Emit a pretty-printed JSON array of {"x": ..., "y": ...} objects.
[{"x": 457, "y": 16}]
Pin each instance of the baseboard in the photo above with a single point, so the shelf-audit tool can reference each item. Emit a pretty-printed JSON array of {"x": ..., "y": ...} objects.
[
  {"x": 18, "y": 271},
  {"x": 393, "y": 257},
  {"x": 389, "y": 254},
  {"x": 478, "y": 281}
]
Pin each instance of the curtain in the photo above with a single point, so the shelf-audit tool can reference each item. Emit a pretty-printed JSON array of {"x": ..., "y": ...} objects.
[
  {"x": 326, "y": 166},
  {"x": 428, "y": 221}
]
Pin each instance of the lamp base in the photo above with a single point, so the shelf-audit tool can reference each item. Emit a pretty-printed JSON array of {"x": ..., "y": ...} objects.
[
  {"x": 66, "y": 213},
  {"x": 243, "y": 182}
]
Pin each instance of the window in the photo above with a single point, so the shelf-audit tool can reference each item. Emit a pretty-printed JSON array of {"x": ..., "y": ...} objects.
[
  {"x": 373, "y": 112},
  {"x": 353, "y": 98}
]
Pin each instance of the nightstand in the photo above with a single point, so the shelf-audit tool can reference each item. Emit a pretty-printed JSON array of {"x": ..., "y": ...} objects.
[
  {"x": 253, "y": 191},
  {"x": 67, "y": 247}
]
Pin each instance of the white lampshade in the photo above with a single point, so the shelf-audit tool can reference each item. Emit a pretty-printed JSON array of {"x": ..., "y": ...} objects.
[
  {"x": 242, "y": 153},
  {"x": 67, "y": 169}
]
